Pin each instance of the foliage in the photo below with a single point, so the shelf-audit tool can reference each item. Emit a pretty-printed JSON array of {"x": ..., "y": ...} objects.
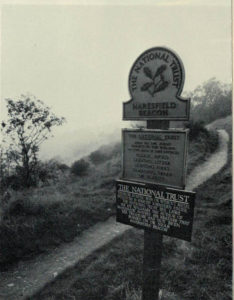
[
  {"x": 210, "y": 101},
  {"x": 196, "y": 128},
  {"x": 97, "y": 157},
  {"x": 197, "y": 270},
  {"x": 50, "y": 171},
  {"x": 105, "y": 154},
  {"x": 201, "y": 144},
  {"x": 28, "y": 125},
  {"x": 63, "y": 167},
  {"x": 62, "y": 207},
  {"x": 80, "y": 167}
]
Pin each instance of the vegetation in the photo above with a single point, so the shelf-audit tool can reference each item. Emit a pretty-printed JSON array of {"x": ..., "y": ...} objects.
[
  {"x": 97, "y": 157},
  {"x": 64, "y": 205},
  {"x": 203, "y": 143},
  {"x": 59, "y": 202},
  {"x": 104, "y": 154},
  {"x": 200, "y": 270},
  {"x": 80, "y": 167},
  {"x": 28, "y": 125},
  {"x": 210, "y": 101},
  {"x": 57, "y": 211}
]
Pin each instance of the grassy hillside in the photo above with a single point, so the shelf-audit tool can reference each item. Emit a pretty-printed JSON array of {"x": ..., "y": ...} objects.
[
  {"x": 37, "y": 219},
  {"x": 199, "y": 270}
]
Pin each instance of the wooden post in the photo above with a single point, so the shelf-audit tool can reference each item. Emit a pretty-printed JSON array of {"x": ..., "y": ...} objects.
[{"x": 152, "y": 245}]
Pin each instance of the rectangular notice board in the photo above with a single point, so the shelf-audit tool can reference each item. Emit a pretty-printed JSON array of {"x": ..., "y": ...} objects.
[
  {"x": 167, "y": 210},
  {"x": 155, "y": 156}
]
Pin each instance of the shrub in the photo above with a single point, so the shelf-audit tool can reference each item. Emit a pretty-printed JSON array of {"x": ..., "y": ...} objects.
[
  {"x": 105, "y": 153},
  {"x": 196, "y": 128},
  {"x": 12, "y": 182},
  {"x": 97, "y": 157},
  {"x": 46, "y": 172},
  {"x": 42, "y": 173},
  {"x": 80, "y": 167},
  {"x": 63, "y": 167}
]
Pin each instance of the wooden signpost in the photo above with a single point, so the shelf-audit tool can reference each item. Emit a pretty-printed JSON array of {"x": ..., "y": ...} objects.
[{"x": 150, "y": 195}]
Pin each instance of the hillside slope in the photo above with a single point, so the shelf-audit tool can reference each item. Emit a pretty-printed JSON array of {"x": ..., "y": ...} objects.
[
  {"x": 198, "y": 270},
  {"x": 51, "y": 215}
]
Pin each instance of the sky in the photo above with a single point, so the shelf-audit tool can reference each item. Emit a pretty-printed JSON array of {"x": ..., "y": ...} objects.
[{"x": 77, "y": 57}]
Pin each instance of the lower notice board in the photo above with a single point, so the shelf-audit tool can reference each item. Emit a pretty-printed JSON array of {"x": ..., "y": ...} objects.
[{"x": 155, "y": 207}]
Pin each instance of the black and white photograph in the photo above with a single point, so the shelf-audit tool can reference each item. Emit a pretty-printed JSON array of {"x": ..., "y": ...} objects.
[{"x": 116, "y": 150}]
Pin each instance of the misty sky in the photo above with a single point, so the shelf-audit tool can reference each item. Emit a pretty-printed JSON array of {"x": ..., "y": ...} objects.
[{"x": 76, "y": 58}]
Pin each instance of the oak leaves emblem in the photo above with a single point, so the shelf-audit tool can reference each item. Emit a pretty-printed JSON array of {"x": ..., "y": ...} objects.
[{"x": 157, "y": 83}]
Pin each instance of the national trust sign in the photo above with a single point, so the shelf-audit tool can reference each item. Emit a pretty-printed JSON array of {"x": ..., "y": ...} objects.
[{"x": 155, "y": 84}]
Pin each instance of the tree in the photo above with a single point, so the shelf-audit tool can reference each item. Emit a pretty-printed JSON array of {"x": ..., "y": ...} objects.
[
  {"x": 210, "y": 101},
  {"x": 28, "y": 125}
]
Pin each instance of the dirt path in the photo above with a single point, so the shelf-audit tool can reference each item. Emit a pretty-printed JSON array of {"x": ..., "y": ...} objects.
[
  {"x": 212, "y": 165},
  {"x": 30, "y": 276}
]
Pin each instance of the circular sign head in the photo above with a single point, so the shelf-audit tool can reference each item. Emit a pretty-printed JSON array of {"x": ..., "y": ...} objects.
[{"x": 155, "y": 84}]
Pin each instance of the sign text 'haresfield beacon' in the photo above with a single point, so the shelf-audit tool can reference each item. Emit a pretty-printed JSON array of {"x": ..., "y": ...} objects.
[{"x": 155, "y": 83}]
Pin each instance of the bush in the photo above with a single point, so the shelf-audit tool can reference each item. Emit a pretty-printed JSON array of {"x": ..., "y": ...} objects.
[
  {"x": 196, "y": 128},
  {"x": 105, "y": 153},
  {"x": 80, "y": 167},
  {"x": 12, "y": 182},
  {"x": 97, "y": 157},
  {"x": 47, "y": 172},
  {"x": 42, "y": 173},
  {"x": 63, "y": 167}
]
